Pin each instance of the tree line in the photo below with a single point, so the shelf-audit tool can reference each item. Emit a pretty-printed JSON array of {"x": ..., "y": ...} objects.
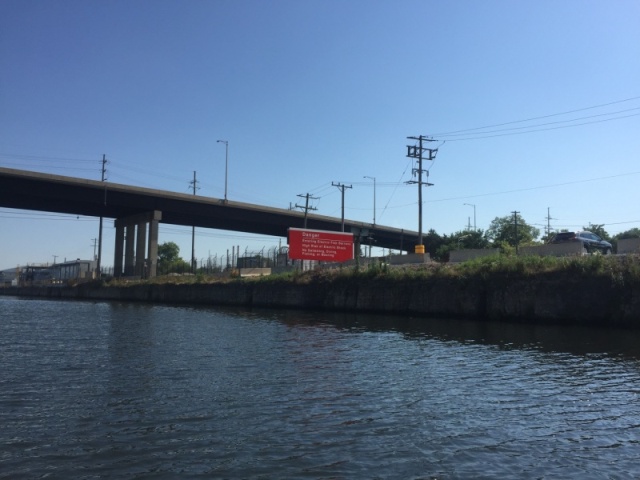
[{"x": 506, "y": 233}]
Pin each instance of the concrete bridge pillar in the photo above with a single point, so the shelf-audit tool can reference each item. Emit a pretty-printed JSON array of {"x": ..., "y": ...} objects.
[
  {"x": 118, "y": 251},
  {"x": 129, "y": 251},
  {"x": 152, "y": 262},
  {"x": 141, "y": 245},
  {"x": 140, "y": 258}
]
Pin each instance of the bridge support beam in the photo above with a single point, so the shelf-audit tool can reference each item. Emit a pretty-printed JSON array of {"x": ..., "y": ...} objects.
[{"x": 140, "y": 258}]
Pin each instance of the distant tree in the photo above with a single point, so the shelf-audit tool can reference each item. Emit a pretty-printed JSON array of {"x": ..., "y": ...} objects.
[
  {"x": 632, "y": 233},
  {"x": 432, "y": 241},
  {"x": 459, "y": 240},
  {"x": 502, "y": 230},
  {"x": 470, "y": 239},
  {"x": 169, "y": 260},
  {"x": 168, "y": 252}
]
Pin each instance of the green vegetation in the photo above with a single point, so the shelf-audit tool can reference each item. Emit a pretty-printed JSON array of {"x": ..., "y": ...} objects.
[
  {"x": 621, "y": 269},
  {"x": 511, "y": 229},
  {"x": 169, "y": 260},
  {"x": 501, "y": 235}
]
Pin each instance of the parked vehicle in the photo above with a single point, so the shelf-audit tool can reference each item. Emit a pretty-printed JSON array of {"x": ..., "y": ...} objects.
[{"x": 591, "y": 242}]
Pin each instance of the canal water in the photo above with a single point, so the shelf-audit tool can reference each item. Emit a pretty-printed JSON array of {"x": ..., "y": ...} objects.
[{"x": 122, "y": 390}]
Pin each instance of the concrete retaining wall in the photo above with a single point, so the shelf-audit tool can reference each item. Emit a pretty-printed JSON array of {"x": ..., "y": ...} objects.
[
  {"x": 409, "y": 258},
  {"x": 254, "y": 272},
  {"x": 470, "y": 254},
  {"x": 556, "y": 298},
  {"x": 629, "y": 245},
  {"x": 554, "y": 249}
]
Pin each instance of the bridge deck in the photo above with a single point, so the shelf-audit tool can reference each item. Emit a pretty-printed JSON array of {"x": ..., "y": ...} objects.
[{"x": 28, "y": 190}]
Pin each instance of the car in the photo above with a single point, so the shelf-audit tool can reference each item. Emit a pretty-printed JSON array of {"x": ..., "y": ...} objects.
[{"x": 591, "y": 242}]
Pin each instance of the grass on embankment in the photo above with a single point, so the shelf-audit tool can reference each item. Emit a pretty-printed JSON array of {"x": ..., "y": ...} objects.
[{"x": 619, "y": 269}]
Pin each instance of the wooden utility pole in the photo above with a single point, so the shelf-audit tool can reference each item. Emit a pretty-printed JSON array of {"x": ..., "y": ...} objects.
[
  {"x": 306, "y": 206},
  {"x": 515, "y": 222},
  {"x": 342, "y": 187}
]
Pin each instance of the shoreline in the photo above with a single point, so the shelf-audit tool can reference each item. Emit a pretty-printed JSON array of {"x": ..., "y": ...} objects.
[{"x": 547, "y": 297}]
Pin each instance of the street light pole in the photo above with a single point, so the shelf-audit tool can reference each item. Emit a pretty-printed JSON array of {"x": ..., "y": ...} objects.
[
  {"x": 374, "y": 198},
  {"x": 474, "y": 215},
  {"x": 226, "y": 166}
]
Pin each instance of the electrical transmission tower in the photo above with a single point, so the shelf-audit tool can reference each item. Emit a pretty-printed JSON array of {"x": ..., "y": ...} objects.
[
  {"x": 306, "y": 206},
  {"x": 418, "y": 152},
  {"x": 341, "y": 187}
]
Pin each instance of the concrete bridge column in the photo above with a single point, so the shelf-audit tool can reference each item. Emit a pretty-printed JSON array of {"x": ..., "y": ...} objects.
[
  {"x": 119, "y": 250},
  {"x": 129, "y": 250},
  {"x": 152, "y": 262},
  {"x": 141, "y": 245},
  {"x": 131, "y": 239}
]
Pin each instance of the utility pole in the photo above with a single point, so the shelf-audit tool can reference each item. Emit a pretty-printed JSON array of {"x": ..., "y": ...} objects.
[
  {"x": 417, "y": 152},
  {"x": 99, "y": 260},
  {"x": 374, "y": 197},
  {"x": 515, "y": 221},
  {"x": 474, "y": 215},
  {"x": 341, "y": 187},
  {"x": 549, "y": 222},
  {"x": 194, "y": 184},
  {"x": 306, "y": 206},
  {"x": 226, "y": 165},
  {"x": 95, "y": 244}
]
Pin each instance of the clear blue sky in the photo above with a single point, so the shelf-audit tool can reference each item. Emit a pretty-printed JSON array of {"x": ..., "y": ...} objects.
[{"x": 313, "y": 92}]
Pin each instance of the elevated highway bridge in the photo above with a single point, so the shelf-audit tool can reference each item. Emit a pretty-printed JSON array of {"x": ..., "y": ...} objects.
[{"x": 143, "y": 208}]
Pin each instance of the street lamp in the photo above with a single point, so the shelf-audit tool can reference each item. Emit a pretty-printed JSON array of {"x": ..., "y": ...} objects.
[
  {"x": 226, "y": 166},
  {"x": 374, "y": 198},
  {"x": 474, "y": 215}
]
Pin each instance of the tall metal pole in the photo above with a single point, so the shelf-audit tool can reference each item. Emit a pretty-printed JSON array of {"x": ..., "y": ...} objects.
[
  {"x": 474, "y": 215},
  {"x": 226, "y": 166},
  {"x": 99, "y": 260},
  {"x": 374, "y": 197},
  {"x": 193, "y": 231},
  {"x": 417, "y": 152}
]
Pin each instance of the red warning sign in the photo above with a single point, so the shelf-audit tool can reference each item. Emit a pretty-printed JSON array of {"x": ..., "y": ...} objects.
[{"x": 320, "y": 245}]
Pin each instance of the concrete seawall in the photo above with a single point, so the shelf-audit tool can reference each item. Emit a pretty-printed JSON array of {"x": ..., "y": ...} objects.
[{"x": 544, "y": 298}]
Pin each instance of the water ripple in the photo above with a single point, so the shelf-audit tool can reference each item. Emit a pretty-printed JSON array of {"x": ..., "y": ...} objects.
[{"x": 95, "y": 390}]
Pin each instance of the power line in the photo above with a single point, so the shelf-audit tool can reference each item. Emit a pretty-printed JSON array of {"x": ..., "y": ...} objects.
[
  {"x": 25, "y": 215},
  {"x": 533, "y": 188},
  {"x": 537, "y": 118},
  {"x": 552, "y": 123},
  {"x": 541, "y": 129},
  {"x": 394, "y": 190},
  {"x": 22, "y": 166},
  {"x": 20, "y": 156}
]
